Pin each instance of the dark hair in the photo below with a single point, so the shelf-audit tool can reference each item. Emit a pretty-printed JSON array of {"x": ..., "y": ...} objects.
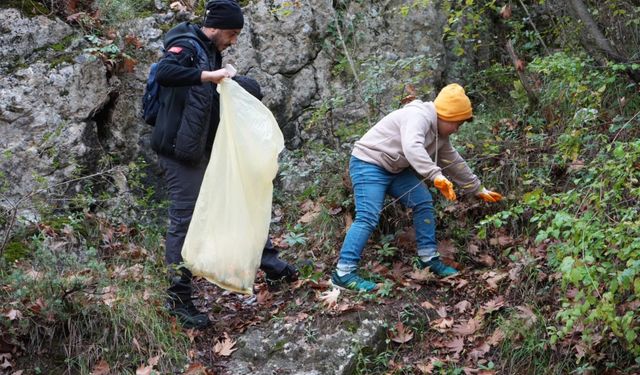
[{"x": 251, "y": 85}]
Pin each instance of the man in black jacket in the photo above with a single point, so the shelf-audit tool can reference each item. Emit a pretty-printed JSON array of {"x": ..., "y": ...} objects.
[{"x": 183, "y": 136}]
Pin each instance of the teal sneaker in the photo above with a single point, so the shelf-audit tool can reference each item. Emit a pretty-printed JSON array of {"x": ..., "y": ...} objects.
[
  {"x": 436, "y": 266},
  {"x": 352, "y": 281}
]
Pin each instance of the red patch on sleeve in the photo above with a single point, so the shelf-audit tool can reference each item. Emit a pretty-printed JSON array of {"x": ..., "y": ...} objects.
[{"x": 175, "y": 49}]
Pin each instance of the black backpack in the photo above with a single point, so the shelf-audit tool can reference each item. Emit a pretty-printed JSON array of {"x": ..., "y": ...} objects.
[{"x": 151, "y": 97}]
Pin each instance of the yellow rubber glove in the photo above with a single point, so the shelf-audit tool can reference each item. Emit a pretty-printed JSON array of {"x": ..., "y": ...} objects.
[
  {"x": 446, "y": 187},
  {"x": 489, "y": 196}
]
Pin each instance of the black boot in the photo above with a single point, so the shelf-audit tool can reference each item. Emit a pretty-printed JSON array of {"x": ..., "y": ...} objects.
[
  {"x": 276, "y": 270},
  {"x": 288, "y": 274},
  {"x": 180, "y": 303}
]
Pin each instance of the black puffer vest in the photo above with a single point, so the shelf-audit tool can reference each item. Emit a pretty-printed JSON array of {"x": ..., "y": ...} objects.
[
  {"x": 190, "y": 141},
  {"x": 186, "y": 113}
]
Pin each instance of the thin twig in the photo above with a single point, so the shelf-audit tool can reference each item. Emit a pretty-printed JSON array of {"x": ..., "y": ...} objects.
[
  {"x": 352, "y": 65},
  {"x": 534, "y": 27},
  {"x": 623, "y": 126}
]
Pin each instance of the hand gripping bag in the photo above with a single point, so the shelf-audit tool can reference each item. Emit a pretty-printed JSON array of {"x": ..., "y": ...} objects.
[{"x": 230, "y": 222}]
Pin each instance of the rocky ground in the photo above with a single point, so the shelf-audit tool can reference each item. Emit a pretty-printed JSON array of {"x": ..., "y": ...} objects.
[{"x": 415, "y": 323}]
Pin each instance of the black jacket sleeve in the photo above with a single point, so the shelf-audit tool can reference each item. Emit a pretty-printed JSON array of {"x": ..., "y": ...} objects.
[{"x": 177, "y": 68}]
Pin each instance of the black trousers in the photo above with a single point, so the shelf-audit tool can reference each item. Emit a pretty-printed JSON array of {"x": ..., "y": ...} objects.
[{"x": 183, "y": 185}]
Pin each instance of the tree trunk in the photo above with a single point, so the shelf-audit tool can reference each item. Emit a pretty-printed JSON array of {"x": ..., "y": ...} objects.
[
  {"x": 592, "y": 28},
  {"x": 601, "y": 41}
]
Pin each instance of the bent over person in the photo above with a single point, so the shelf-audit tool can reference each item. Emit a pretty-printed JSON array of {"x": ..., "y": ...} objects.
[
  {"x": 407, "y": 146},
  {"x": 183, "y": 138}
]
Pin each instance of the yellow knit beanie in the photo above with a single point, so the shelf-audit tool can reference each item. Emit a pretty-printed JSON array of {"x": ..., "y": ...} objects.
[{"x": 452, "y": 104}]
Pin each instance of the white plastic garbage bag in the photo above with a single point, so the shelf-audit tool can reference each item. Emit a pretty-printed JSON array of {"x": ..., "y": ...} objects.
[{"x": 230, "y": 223}]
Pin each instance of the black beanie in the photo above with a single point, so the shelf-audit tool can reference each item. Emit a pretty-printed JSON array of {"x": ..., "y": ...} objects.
[
  {"x": 250, "y": 85},
  {"x": 223, "y": 14}
]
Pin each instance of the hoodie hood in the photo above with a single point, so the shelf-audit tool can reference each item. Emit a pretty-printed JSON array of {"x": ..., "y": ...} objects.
[
  {"x": 186, "y": 30},
  {"x": 426, "y": 110}
]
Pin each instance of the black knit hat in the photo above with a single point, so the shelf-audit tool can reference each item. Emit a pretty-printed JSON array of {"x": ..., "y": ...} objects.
[
  {"x": 223, "y": 14},
  {"x": 251, "y": 85}
]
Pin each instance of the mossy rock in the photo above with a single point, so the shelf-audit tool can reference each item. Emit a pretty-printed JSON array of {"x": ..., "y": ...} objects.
[
  {"x": 63, "y": 44},
  {"x": 29, "y": 8}
]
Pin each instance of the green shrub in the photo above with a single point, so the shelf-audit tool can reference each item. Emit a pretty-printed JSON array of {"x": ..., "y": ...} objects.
[{"x": 593, "y": 236}]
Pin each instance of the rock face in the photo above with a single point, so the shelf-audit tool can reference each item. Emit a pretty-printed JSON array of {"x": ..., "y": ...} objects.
[
  {"x": 20, "y": 36},
  {"x": 305, "y": 55},
  {"x": 46, "y": 111},
  {"x": 323, "y": 65},
  {"x": 328, "y": 346}
]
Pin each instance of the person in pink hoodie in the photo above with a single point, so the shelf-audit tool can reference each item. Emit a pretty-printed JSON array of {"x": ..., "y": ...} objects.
[{"x": 405, "y": 148}]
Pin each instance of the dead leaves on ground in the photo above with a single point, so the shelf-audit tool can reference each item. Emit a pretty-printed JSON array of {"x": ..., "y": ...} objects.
[
  {"x": 330, "y": 298},
  {"x": 148, "y": 369},
  {"x": 101, "y": 368},
  {"x": 224, "y": 347},
  {"x": 401, "y": 334},
  {"x": 334, "y": 305}
]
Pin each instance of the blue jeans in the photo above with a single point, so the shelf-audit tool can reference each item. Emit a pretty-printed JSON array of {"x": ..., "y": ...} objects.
[{"x": 370, "y": 184}]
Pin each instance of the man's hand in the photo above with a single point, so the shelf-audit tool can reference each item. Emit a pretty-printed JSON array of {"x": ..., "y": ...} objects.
[
  {"x": 215, "y": 76},
  {"x": 489, "y": 196},
  {"x": 446, "y": 187}
]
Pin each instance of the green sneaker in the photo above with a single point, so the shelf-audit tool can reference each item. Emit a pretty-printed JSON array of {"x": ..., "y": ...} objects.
[
  {"x": 352, "y": 281},
  {"x": 436, "y": 266}
]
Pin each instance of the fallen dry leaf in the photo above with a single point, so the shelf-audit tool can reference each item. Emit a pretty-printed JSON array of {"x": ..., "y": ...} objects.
[
  {"x": 462, "y": 306},
  {"x": 473, "y": 249},
  {"x": 311, "y": 211},
  {"x": 402, "y": 334},
  {"x": 581, "y": 350},
  {"x": 263, "y": 296},
  {"x": 467, "y": 328},
  {"x": 447, "y": 249},
  {"x": 225, "y": 347},
  {"x": 5, "y": 361},
  {"x": 479, "y": 352},
  {"x": 136, "y": 344},
  {"x": 422, "y": 275},
  {"x": 487, "y": 260},
  {"x": 527, "y": 315},
  {"x": 109, "y": 295},
  {"x": 153, "y": 361},
  {"x": 494, "y": 280},
  {"x": 455, "y": 346},
  {"x": 428, "y": 305},
  {"x": 460, "y": 283},
  {"x": 330, "y": 297},
  {"x": 425, "y": 368},
  {"x": 144, "y": 370},
  {"x": 496, "y": 337},
  {"x": 177, "y": 6},
  {"x": 195, "y": 369},
  {"x": 514, "y": 272},
  {"x": 101, "y": 368},
  {"x": 37, "y": 306},
  {"x": 494, "y": 305},
  {"x": 13, "y": 314},
  {"x": 505, "y": 11},
  {"x": 442, "y": 324}
]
